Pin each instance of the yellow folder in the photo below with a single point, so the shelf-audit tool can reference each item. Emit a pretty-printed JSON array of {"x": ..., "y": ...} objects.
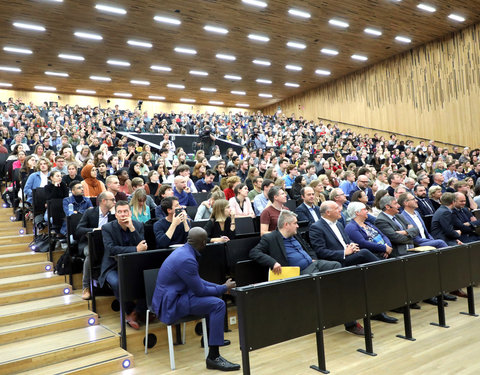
[
  {"x": 286, "y": 273},
  {"x": 421, "y": 248}
]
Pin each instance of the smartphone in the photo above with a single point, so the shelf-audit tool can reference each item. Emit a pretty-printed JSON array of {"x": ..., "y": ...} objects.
[{"x": 178, "y": 211}]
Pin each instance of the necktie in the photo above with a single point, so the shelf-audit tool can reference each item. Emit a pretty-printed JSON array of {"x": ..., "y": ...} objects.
[
  {"x": 396, "y": 221},
  {"x": 429, "y": 208}
]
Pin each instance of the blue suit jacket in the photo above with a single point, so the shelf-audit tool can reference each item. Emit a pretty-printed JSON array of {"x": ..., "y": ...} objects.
[
  {"x": 304, "y": 214},
  {"x": 418, "y": 240},
  {"x": 368, "y": 191},
  {"x": 177, "y": 280},
  {"x": 325, "y": 242},
  {"x": 359, "y": 236},
  {"x": 442, "y": 226}
]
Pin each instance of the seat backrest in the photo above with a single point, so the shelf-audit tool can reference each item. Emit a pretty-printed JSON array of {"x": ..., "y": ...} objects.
[
  {"x": 95, "y": 250},
  {"x": 150, "y": 279},
  {"x": 191, "y": 211},
  {"x": 72, "y": 223},
  {"x": 291, "y": 204},
  {"x": 200, "y": 197},
  {"x": 249, "y": 272},
  {"x": 39, "y": 199},
  {"x": 150, "y": 236},
  {"x": 200, "y": 223},
  {"x": 55, "y": 212},
  {"x": 238, "y": 250},
  {"x": 244, "y": 225}
]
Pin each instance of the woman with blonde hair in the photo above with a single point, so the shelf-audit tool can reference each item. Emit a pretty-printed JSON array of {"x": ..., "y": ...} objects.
[
  {"x": 271, "y": 174},
  {"x": 434, "y": 194},
  {"x": 140, "y": 210},
  {"x": 205, "y": 208},
  {"x": 318, "y": 189},
  {"x": 221, "y": 225},
  {"x": 91, "y": 186}
]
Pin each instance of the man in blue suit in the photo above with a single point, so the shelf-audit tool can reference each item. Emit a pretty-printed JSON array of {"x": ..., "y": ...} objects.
[
  {"x": 410, "y": 204},
  {"x": 308, "y": 211},
  {"x": 362, "y": 184},
  {"x": 180, "y": 291}
]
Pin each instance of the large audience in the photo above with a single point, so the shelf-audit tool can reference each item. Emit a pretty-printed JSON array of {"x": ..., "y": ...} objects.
[{"x": 376, "y": 197}]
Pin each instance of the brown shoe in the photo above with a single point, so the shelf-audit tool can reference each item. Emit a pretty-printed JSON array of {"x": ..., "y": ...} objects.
[
  {"x": 459, "y": 293},
  {"x": 357, "y": 329},
  {"x": 86, "y": 294}
]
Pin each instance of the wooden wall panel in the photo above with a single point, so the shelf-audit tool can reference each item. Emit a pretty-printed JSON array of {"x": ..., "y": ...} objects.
[
  {"x": 432, "y": 92},
  {"x": 151, "y": 106}
]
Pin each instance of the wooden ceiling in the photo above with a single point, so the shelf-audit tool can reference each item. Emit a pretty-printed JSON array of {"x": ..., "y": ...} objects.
[{"x": 62, "y": 19}]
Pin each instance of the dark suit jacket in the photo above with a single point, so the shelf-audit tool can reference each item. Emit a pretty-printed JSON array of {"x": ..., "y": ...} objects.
[
  {"x": 271, "y": 249},
  {"x": 390, "y": 228},
  {"x": 461, "y": 216},
  {"x": 325, "y": 243},
  {"x": 88, "y": 223},
  {"x": 424, "y": 211},
  {"x": 442, "y": 226},
  {"x": 367, "y": 191},
  {"x": 304, "y": 214},
  {"x": 114, "y": 244}
]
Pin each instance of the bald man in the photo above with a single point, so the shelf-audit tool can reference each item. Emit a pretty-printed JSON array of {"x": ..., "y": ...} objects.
[{"x": 180, "y": 291}]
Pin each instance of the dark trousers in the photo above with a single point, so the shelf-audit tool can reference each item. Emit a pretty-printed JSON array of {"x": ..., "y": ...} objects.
[
  {"x": 363, "y": 256},
  {"x": 320, "y": 265},
  {"x": 214, "y": 308}
]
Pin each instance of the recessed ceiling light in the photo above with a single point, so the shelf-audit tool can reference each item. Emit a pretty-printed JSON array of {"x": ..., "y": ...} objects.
[
  {"x": 45, "y": 88},
  {"x": 328, "y": 51},
  {"x": 299, "y": 13},
  {"x": 262, "y": 62},
  {"x": 161, "y": 68},
  {"x": 234, "y": 92},
  {"x": 256, "y": 3},
  {"x": 264, "y": 81},
  {"x": 208, "y": 89},
  {"x": 215, "y": 102},
  {"x": 89, "y": 92},
  {"x": 230, "y": 76},
  {"x": 156, "y": 97},
  {"x": 175, "y": 86},
  {"x": 242, "y": 105},
  {"x": 338, "y": 23},
  {"x": 198, "y": 73},
  {"x": 456, "y": 17},
  {"x": 85, "y": 35},
  {"x": 259, "y": 38},
  {"x": 295, "y": 68},
  {"x": 17, "y": 50},
  {"x": 29, "y": 26},
  {"x": 56, "y": 74},
  {"x": 224, "y": 56},
  {"x": 118, "y": 62},
  {"x": 322, "y": 72},
  {"x": 187, "y": 100},
  {"x": 263, "y": 95},
  {"x": 137, "y": 43},
  {"x": 296, "y": 45},
  {"x": 426, "y": 7},
  {"x": 371, "y": 31},
  {"x": 100, "y": 78},
  {"x": 360, "y": 57},
  {"x": 138, "y": 82},
  {"x": 124, "y": 94},
  {"x": 402, "y": 39},
  {"x": 71, "y": 57},
  {"x": 10, "y": 69},
  {"x": 188, "y": 51},
  {"x": 4, "y": 84},
  {"x": 110, "y": 9},
  {"x": 290, "y": 84},
  {"x": 215, "y": 29},
  {"x": 168, "y": 20}
]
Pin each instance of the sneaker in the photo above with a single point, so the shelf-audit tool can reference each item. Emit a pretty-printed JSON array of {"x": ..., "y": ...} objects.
[
  {"x": 132, "y": 320},
  {"x": 357, "y": 329},
  {"x": 86, "y": 294}
]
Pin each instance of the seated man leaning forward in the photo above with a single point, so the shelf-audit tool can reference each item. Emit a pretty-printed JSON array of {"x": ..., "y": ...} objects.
[
  {"x": 283, "y": 247},
  {"x": 121, "y": 236},
  {"x": 180, "y": 291}
]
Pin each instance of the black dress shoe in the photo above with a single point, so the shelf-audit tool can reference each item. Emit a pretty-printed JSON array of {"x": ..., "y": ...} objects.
[
  {"x": 433, "y": 301},
  {"x": 221, "y": 364},
  {"x": 384, "y": 318},
  {"x": 225, "y": 342},
  {"x": 398, "y": 310},
  {"x": 415, "y": 306},
  {"x": 449, "y": 297}
]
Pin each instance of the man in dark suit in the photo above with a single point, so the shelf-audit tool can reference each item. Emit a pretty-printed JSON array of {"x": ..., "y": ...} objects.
[
  {"x": 362, "y": 184},
  {"x": 442, "y": 222},
  {"x": 425, "y": 207},
  {"x": 308, "y": 211},
  {"x": 93, "y": 218},
  {"x": 180, "y": 291},
  {"x": 464, "y": 220},
  {"x": 121, "y": 236},
  {"x": 395, "y": 227},
  {"x": 410, "y": 204},
  {"x": 284, "y": 247},
  {"x": 331, "y": 242}
]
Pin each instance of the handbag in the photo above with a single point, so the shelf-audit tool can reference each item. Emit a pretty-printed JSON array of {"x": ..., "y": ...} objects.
[{"x": 40, "y": 244}]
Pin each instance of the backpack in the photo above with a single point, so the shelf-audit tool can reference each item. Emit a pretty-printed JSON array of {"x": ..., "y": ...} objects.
[{"x": 67, "y": 264}]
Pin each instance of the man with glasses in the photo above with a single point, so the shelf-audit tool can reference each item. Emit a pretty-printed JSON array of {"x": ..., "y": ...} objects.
[
  {"x": 338, "y": 196},
  {"x": 362, "y": 184}
]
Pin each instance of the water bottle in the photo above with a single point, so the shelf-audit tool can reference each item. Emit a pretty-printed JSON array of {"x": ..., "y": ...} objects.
[{"x": 70, "y": 209}]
